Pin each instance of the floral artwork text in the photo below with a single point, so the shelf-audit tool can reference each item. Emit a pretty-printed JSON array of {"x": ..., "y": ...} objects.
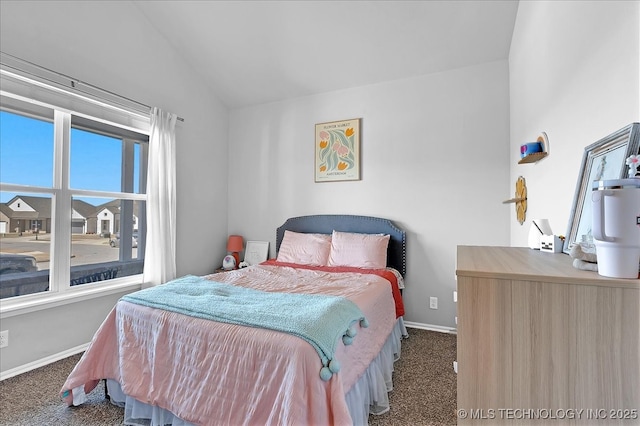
[{"x": 337, "y": 151}]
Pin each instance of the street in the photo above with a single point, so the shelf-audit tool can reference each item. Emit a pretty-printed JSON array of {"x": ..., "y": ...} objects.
[{"x": 85, "y": 249}]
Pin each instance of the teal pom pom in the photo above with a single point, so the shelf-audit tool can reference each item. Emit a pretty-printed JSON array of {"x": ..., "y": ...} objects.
[
  {"x": 351, "y": 332},
  {"x": 334, "y": 366},
  {"x": 325, "y": 373},
  {"x": 347, "y": 340},
  {"x": 364, "y": 323}
]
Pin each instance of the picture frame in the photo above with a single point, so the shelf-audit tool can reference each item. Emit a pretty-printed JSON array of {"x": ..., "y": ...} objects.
[
  {"x": 256, "y": 252},
  {"x": 602, "y": 160},
  {"x": 337, "y": 151}
]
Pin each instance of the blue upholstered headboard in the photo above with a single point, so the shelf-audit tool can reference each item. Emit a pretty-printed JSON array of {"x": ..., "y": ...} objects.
[{"x": 327, "y": 223}]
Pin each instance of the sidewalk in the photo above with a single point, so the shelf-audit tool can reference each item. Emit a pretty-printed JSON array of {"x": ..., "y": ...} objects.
[{"x": 46, "y": 238}]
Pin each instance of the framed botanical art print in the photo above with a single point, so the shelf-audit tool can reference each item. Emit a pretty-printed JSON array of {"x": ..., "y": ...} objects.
[
  {"x": 602, "y": 160},
  {"x": 337, "y": 151}
]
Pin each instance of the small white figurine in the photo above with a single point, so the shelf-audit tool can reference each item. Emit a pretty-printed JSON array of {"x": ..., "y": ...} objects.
[
  {"x": 633, "y": 162},
  {"x": 584, "y": 257}
]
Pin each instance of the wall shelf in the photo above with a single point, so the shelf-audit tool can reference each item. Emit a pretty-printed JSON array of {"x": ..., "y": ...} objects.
[
  {"x": 532, "y": 158},
  {"x": 537, "y": 156}
]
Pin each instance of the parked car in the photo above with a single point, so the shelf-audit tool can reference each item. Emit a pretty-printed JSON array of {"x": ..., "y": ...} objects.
[
  {"x": 115, "y": 242},
  {"x": 13, "y": 263}
]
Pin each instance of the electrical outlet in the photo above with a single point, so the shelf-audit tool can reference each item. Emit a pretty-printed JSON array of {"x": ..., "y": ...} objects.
[
  {"x": 433, "y": 302},
  {"x": 4, "y": 338}
]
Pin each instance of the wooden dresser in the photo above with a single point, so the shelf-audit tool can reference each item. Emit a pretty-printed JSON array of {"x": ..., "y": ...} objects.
[{"x": 539, "y": 340}]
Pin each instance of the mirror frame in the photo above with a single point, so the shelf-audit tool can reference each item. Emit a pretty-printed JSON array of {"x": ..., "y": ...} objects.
[{"x": 620, "y": 144}]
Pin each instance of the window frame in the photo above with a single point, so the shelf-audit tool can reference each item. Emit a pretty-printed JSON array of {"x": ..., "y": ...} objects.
[{"x": 61, "y": 291}]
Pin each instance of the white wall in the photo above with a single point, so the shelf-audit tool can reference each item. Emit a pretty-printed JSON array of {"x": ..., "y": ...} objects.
[
  {"x": 434, "y": 160},
  {"x": 574, "y": 71},
  {"x": 111, "y": 45}
]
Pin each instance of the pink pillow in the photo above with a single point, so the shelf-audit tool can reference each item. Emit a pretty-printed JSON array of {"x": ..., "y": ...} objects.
[
  {"x": 358, "y": 250},
  {"x": 304, "y": 249}
]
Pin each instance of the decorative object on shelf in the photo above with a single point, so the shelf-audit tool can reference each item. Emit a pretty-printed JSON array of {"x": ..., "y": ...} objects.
[
  {"x": 234, "y": 246},
  {"x": 520, "y": 200},
  {"x": 256, "y": 252},
  {"x": 337, "y": 151},
  {"x": 602, "y": 160},
  {"x": 532, "y": 152},
  {"x": 530, "y": 148}
]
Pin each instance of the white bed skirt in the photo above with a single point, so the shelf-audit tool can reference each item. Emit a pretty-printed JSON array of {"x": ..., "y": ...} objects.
[{"x": 368, "y": 396}]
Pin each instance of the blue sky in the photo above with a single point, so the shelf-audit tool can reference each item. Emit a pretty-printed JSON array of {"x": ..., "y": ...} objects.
[{"x": 26, "y": 156}]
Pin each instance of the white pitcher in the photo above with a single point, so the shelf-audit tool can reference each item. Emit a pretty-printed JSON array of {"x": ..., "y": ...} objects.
[{"x": 616, "y": 226}]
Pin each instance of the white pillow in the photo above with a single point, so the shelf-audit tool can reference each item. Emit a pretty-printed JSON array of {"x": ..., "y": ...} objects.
[
  {"x": 304, "y": 249},
  {"x": 358, "y": 250}
]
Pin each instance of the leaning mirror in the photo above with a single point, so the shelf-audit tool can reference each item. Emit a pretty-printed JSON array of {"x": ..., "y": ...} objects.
[{"x": 604, "y": 159}]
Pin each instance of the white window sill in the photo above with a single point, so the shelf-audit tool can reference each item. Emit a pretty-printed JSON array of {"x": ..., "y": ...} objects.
[{"x": 23, "y": 305}]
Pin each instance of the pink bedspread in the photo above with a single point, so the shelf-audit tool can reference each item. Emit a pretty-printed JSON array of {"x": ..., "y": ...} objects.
[{"x": 214, "y": 373}]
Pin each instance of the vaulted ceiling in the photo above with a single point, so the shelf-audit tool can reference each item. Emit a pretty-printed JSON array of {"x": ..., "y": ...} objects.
[{"x": 252, "y": 52}]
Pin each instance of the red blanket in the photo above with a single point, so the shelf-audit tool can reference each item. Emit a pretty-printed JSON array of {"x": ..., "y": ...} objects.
[{"x": 384, "y": 273}]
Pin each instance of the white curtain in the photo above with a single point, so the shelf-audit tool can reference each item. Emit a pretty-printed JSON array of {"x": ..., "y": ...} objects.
[{"x": 160, "y": 254}]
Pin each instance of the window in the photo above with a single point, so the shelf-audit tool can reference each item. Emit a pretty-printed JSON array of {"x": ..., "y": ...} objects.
[{"x": 72, "y": 189}]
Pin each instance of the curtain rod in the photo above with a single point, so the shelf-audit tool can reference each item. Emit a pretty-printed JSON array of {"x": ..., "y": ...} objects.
[{"x": 72, "y": 82}]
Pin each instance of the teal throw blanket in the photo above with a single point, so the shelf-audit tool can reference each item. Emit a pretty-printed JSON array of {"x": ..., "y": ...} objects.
[{"x": 320, "y": 320}]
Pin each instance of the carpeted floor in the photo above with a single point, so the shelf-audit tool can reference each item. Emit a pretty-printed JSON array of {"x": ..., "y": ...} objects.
[{"x": 424, "y": 390}]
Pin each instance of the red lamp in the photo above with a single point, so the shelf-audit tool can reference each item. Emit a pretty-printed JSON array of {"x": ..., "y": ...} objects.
[{"x": 234, "y": 245}]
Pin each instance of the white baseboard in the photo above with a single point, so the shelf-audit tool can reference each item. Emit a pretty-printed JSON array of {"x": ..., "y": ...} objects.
[
  {"x": 431, "y": 327},
  {"x": 42, "y": 362}
]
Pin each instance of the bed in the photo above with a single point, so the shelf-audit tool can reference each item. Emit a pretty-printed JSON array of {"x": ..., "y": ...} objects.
[{"x": 308, "y": 337}]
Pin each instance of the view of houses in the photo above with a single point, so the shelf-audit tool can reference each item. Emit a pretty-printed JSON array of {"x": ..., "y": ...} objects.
[{"x": 33, "y": 214}]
